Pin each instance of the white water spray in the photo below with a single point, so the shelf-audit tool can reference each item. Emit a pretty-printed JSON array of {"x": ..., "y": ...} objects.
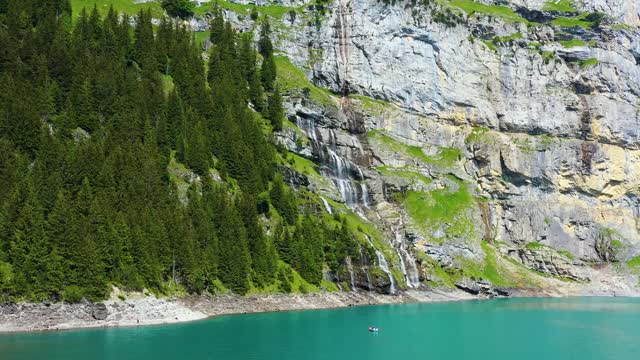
[
  {"x": 384, "y": 266},
  {"x": 352, "y": 278},
  {"x": 326, "y": 205}
]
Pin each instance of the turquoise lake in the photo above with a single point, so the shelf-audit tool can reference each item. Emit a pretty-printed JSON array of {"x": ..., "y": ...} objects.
[{"x": 540, "y": 329}]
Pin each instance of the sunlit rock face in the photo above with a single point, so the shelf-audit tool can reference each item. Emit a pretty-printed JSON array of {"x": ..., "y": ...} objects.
[{"x": 484, "y": 142}]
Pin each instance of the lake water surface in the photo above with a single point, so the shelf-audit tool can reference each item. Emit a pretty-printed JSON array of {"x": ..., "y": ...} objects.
[{"x": 540, "y": 329}]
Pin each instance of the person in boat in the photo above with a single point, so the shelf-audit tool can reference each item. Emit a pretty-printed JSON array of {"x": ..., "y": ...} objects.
[{"x": 373, "y": 329}]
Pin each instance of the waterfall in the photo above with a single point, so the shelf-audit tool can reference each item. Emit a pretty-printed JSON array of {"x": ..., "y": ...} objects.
[
  {"x": 326, "y": 205},
  {"x": 363, "y": 188},
  {"x": 308, "y": 127},
  {"x": 384, "y": 265},
  {"x": 403, "y": 267},
  {"x": 343, "y": 37},
  {"x": 411, "y": 274},
  {"x": 366, "y": 270},
  {"x": 365, "y": 194},
  {"x": 351, "y": 276},
  {"x": 353, "y": 190}
]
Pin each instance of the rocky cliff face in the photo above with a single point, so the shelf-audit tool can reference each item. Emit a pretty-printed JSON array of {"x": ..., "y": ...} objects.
[{"x": 484, "y": 142}]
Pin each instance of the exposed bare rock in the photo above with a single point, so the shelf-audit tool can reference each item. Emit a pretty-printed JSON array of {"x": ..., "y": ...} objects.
[
  {"x": 100, "y": 311},
  {"x": 548, "y": 261},
  {"x": 474, "y": 130}
]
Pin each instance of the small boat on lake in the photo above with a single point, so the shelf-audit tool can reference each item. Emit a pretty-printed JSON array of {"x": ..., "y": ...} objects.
[{"x": 373, "y": 329}]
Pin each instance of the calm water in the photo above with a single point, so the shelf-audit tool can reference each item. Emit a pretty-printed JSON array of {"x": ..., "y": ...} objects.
[{"x": 540, "y": 329}]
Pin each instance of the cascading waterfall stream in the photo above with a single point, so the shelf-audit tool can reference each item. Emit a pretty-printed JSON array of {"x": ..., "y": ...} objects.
[
  {"x": 340, "y": 170},
  {"x": 343, "y": 36},
  {"x": 349, "y": 180},
  {"x": 326, "y": 205},
  {"x": 403, "y": 266},
  {"x": 352, "y": 281},
  {"x": 384, "y": 266},
  {"x": 366, "y": 271},
  {"x": 411, "y": 274}
]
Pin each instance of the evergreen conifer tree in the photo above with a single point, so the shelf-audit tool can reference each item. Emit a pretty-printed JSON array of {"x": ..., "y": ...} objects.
[{"x": 275, "y": 110}]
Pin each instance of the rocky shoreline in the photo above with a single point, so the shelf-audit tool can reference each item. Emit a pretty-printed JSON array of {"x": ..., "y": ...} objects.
[
  {"x": 138, "y": 309},
  {"x": 149, "y": 310}
]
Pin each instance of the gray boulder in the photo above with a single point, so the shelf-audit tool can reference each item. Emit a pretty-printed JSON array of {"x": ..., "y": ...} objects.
[{"x": 100, "y": 311}]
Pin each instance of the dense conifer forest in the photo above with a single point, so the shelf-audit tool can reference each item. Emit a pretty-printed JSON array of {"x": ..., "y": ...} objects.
[{"x": 92, "y": 112}]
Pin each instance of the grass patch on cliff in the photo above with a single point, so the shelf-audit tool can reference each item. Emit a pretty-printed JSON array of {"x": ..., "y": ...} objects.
[
  {"x": 291, "y": 78},
  {"x": 368, "y": 100},
  {"x": 503, "y": 12},
  {"x": 490, "y": 270},
  {"x": 566, "y": 254},
  {"x": 445, "y": 157},
  {"x": 445, "y": 207},
  {"x": 124, "y": 6},
  {"x": 547, "y": 56},
  {"x": 370, "y": 105},
  {"x": 559, "y": 5},
  {"x": 404, "y": 173},
  {"x": 504, "y": 271},
  {"x": 584, "y": 20},
  {"x": 447, "y": 277},
  {"x": 585, "y": 64},
  {"x": 499, "y": 270},
  {"x": 301, "y": 165},
  {"x": 329, "y": 286},
  {"x": 477, "y": 135},
  {"x": 634, "y": 263},
  {"x": 506, "y": 39},
  {"x": 534, "y": 245},
  {"x": 621, "y": 27},
  {"x": 490, "y": 45},
  {"x": 501, "y": 40},
  {"x": 572, "y": 43},
  {"x": 273, "y": 10}
]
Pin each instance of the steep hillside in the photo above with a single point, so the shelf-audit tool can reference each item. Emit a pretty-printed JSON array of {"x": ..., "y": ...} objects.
[
  {"x": 359, "y": 145},
  {"x": 488, "y": 142}
]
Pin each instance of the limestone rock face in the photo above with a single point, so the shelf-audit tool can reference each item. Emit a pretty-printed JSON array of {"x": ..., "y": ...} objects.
[
  {"x": 432, "y": 69},
  {"x": 454, "y": 130},
  {"x": 549, "y": 262}
]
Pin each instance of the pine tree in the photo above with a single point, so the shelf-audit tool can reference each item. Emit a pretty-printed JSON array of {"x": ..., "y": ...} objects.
[
  {"x": 120, "y": 265},
  {"x": 144, "y": 48},
  {"x": 89, "y": 269},
  {"x": 275, "y": 110},
  {"x": 247, "y": 59},
  {"x": 235, "y": 260},
  {"x": 81, "y": 209},
  {"x": 262, "y": 253},
  {"x": 178, "y": 8},
  {"x": 268, "y": 70},
  {"x": 29, "y": 248}
]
